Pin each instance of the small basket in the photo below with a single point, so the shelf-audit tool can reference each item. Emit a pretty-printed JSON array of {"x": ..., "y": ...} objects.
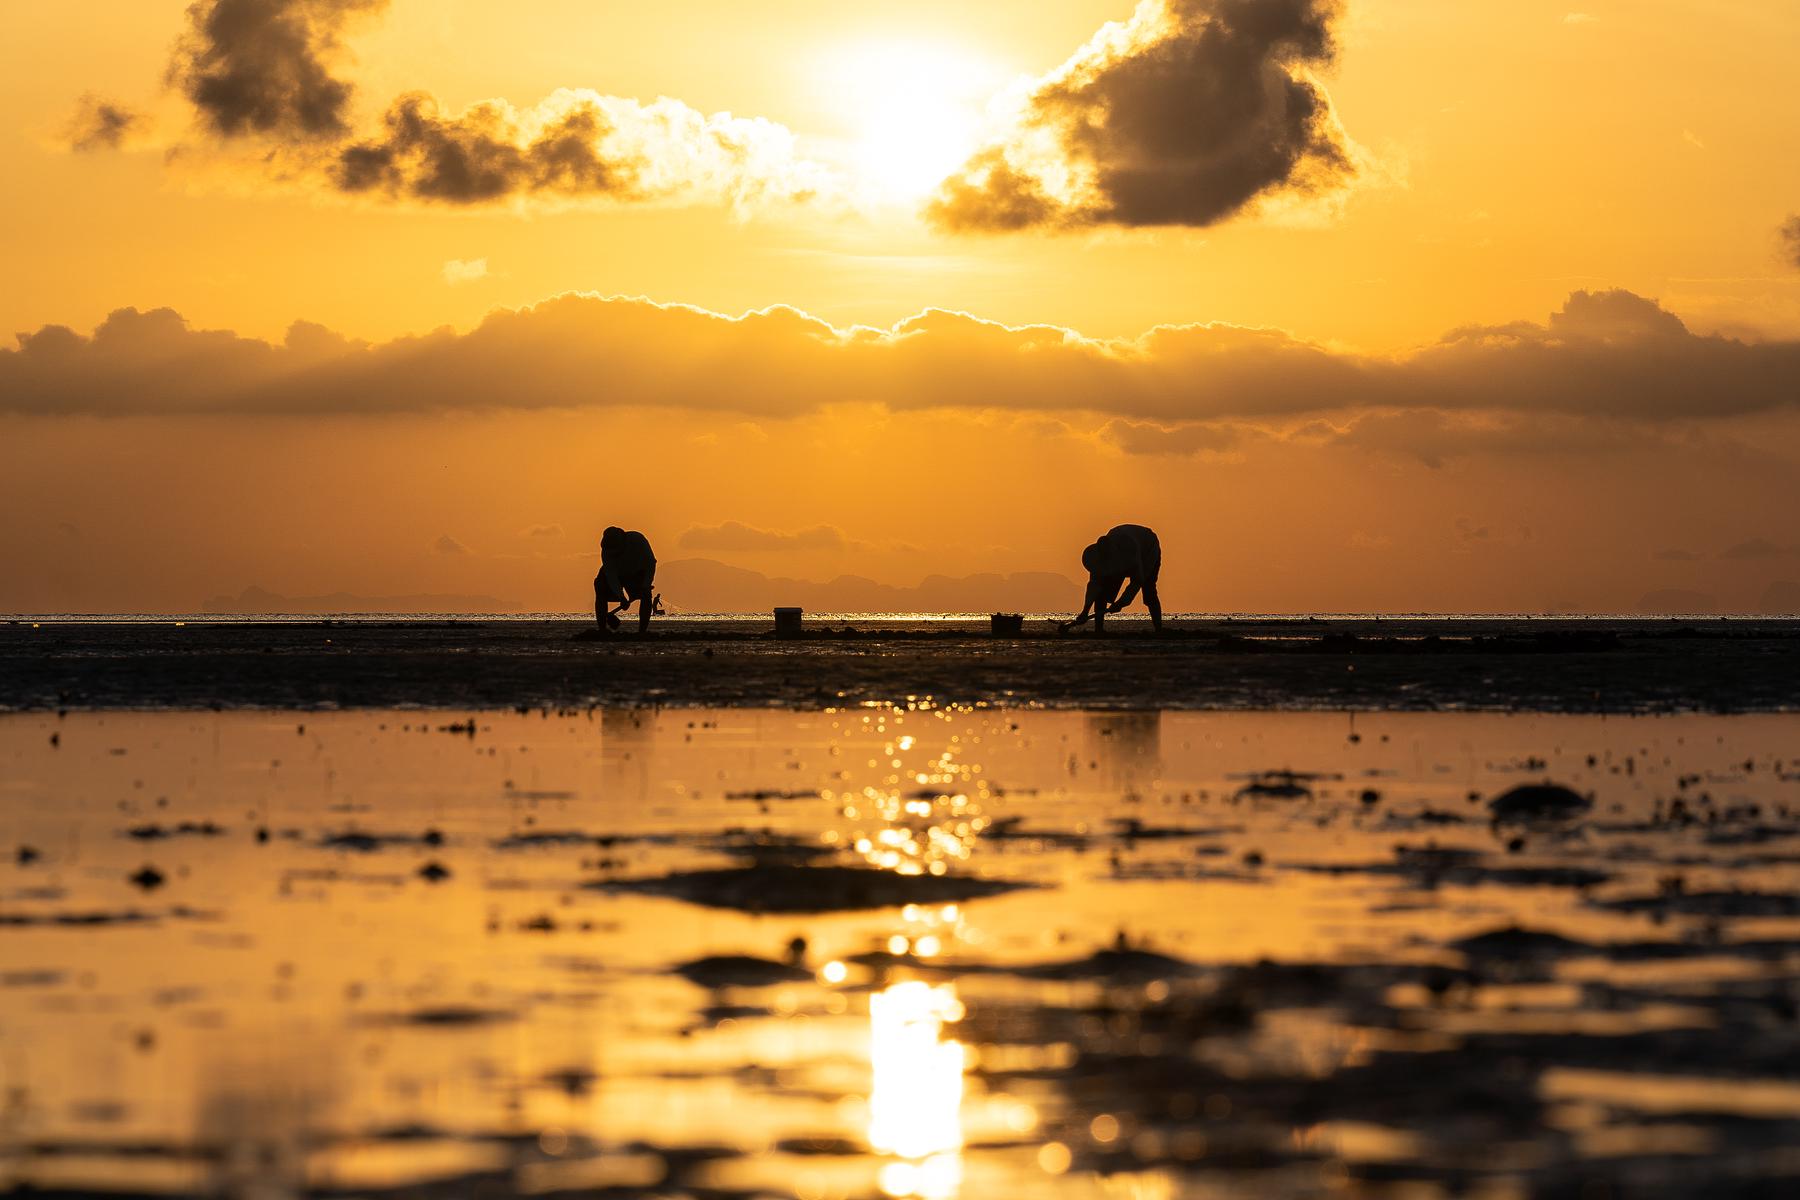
[
  {"x": 787, "y": 622},
  {"x": 1006, "y": 624}
]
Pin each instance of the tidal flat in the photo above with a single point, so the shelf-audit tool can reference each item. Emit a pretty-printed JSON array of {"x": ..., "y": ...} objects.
[{"x": 905, "y": 949}]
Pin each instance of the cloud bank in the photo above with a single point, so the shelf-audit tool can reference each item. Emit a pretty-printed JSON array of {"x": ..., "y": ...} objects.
[
  {"x": 1181, "y": 116},
  {"x": 1606, "y": 365}
]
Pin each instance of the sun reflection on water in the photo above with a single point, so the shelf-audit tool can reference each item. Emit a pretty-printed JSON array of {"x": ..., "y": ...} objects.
[
  {"x": 915, "y": 1104},
  {"x": 915, "y": 817}
]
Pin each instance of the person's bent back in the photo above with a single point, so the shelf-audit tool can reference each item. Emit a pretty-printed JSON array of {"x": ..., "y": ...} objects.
[
  {"x": 1125, "y": 556},
  {"x": 627, "y": 575}
]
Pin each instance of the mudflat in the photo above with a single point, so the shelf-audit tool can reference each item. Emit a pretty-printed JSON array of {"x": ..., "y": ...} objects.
[
  {"x": 1387, "y": 664},
  {"x": 901, "y": 949}
]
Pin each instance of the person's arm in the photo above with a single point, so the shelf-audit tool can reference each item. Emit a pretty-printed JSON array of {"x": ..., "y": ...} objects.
[
  {"x": 1131, "y": 590},
  {"x": 1134, "y": 575}
]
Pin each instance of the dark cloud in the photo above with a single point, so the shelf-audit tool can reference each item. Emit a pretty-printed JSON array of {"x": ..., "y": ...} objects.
[
  {"x": 485, "y": 153},
  {"x": 264, "y": 73},
  {"x": 575, "y": 145},
  {"x": 1790, "y": 241},
  {"x": 100, "y": 124},
  {"x": 448, "y": 545},
  {"x": 266, "y": 66},
  {"x": 733, "y": 535},
  {"x": 542, "y": 531},
  {"x": 1610, "y": 369},
  {"x": 1180, "y": 117}
]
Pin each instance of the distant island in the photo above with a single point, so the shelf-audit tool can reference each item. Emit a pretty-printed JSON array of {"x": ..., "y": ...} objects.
[
  {"x": 704, "y": 585},
  {"x": 261, "y": 601}
]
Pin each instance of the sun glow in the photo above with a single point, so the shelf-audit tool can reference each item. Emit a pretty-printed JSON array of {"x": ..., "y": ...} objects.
[{"x": 912, "y": 113}]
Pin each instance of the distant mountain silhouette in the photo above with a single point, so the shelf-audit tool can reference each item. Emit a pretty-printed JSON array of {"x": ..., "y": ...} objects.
[
  {"x": 704, "y": 585},
  {"x": 262, "y": 601}
]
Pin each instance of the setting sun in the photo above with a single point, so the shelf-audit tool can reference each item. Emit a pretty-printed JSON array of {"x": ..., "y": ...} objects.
[{"x": 914, "y": 112}]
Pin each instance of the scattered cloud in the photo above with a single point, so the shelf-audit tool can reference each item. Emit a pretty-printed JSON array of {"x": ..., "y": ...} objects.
[
  {"x": 266, "y": 66},
  {"x": 266, "y": 81},
  {"x": 1182, "y": 115},
  {"x": 576, "y": 144},
  {"x": 1608, "y": 369},
  {"x": 101, "y": 124},
  {"x": 465, "y": 270},
  {"x": 1790, "y": 241},
  {"x": 733, "y": 536},
  {"x": 541, "y": 531},
  {"x": 449, "y": 545}
]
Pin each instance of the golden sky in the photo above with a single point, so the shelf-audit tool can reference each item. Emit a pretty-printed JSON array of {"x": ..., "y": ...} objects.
[{"x": 1383, "y": 304}]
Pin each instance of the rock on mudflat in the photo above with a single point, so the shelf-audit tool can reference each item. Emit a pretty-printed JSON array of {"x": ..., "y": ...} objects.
[
  {"x": 790, "y": 888},
  {"x": 1539, "y": 802},
  {"x": 1515, "y": 941},
  {"x": 740, "y": 971}
]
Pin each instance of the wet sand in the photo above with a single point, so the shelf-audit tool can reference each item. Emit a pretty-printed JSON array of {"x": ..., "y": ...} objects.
[
  {"x": 1046, "y": 953},
  {"x": 1391, "y": 664}
]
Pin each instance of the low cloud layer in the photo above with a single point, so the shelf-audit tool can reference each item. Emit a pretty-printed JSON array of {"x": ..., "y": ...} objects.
[
  {"x": 1606, "y": 366},
  {"x": 1181, "y": 116},
  {"x": 736, "y": 536}
]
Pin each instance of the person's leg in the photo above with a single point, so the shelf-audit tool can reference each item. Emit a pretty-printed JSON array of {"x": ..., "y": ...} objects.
[
  {"x": 1154, "y": 603},
  {"x": 601, "y": 604}
]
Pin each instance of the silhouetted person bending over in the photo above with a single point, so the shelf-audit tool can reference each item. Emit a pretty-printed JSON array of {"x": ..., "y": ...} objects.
[
  {"x": 1127, "y": 556},
  {"x": 627, "y": 575}
]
